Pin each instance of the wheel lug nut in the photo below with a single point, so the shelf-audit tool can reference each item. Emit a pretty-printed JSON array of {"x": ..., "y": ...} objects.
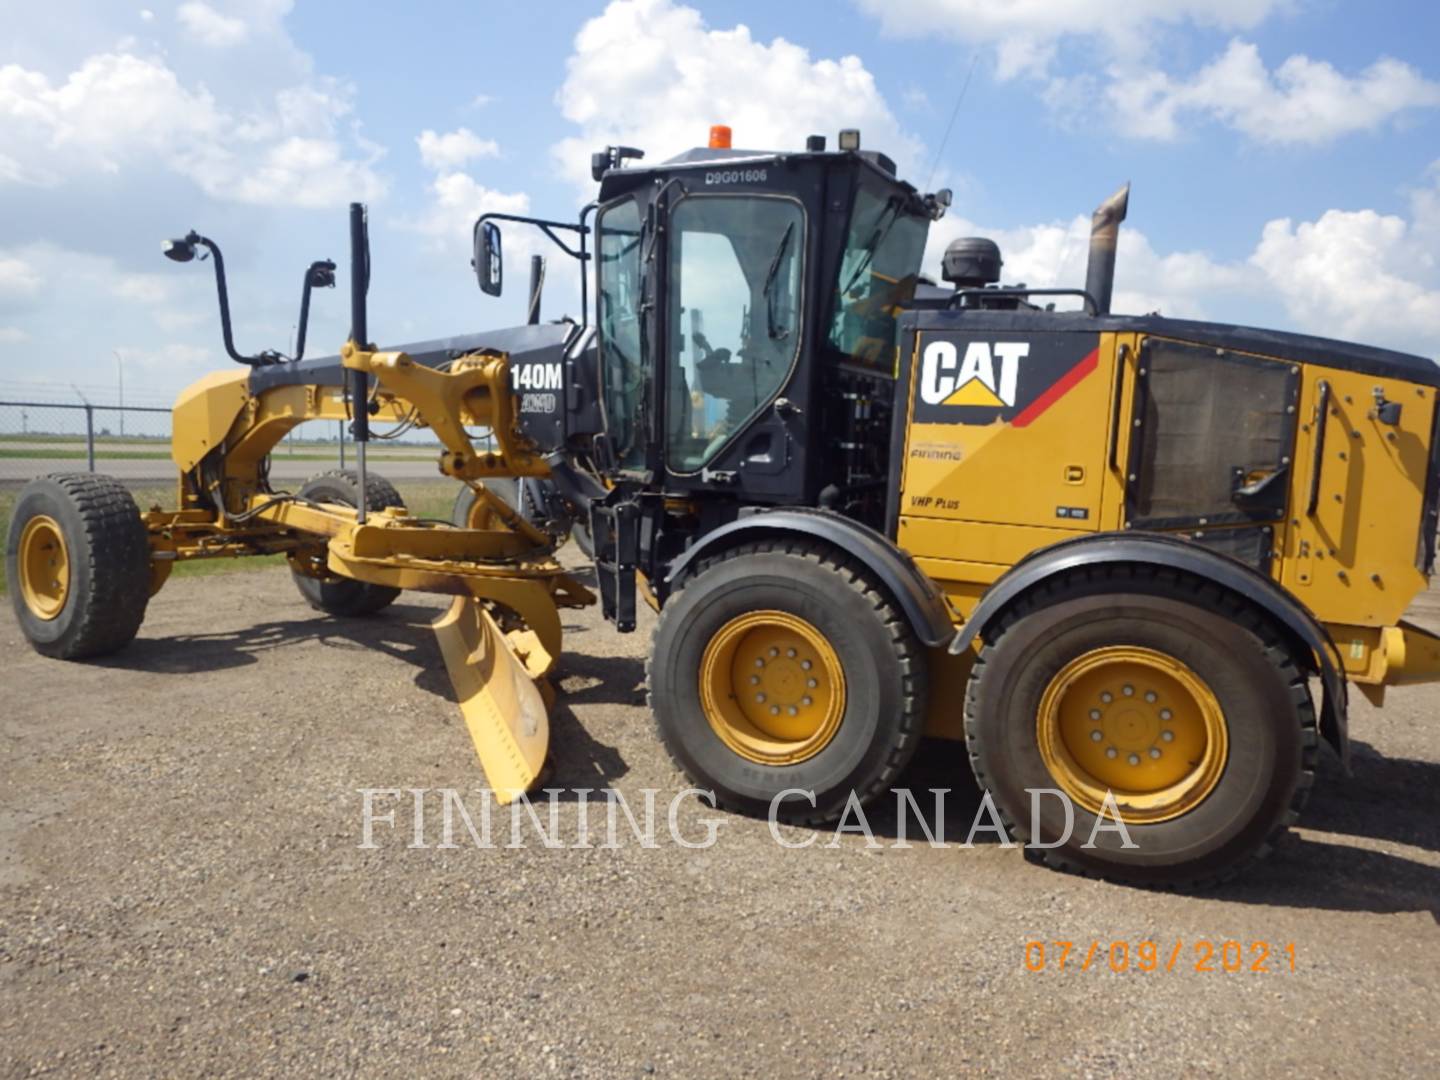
[
  {"x": 1127, "y": 690},
  {"x": 1095, "y": 714},
  {"x": 774, "y": 651},
  {"x": 774, "y": 710},
  {"x": 806, "y": 701},
  {"x": 792, "y": 710},
  {"x": 804, "y": 665},
  {"x": 760, "y": 698},
  {"x": 759, "y": 662},
  {"x": 1096, "y": 736},
  {"x": 1168, "y": 736},
  {"x": 1107, "y": 697},
  {"x": 754, "y": 680},
  {"x": 1111, "y": 752},
  {"x": 1166, "y": 714},
  {"x": 1154, "y": 751},
  {"x": 1134, "y": 759},
  {"x": 790, "y": 653},
  {"x": 1150, "y": 696},
  {"x": 811, "y": 683}
]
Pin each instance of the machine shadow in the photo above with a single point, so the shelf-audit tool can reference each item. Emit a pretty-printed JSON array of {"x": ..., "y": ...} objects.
[
  {"x": 403, "y": 631},
  {"x": 1308, "y": 872}
]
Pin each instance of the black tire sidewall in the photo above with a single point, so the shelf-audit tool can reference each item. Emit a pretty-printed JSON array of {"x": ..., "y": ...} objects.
[
  {"x": 67, "y": 635},
  {"x": 49, "y": 635},
  {"x": 874, "y": 682},
  {"x": 342, "y": 595},
  {"x": 1264, "y": 759}
]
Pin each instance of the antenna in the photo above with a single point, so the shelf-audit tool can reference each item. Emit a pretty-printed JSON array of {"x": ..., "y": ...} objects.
[{"x": 965, "y": 86}]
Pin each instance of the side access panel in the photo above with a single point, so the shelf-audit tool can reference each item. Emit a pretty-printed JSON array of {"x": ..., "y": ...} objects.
[{"x": 1003, "y": 448}]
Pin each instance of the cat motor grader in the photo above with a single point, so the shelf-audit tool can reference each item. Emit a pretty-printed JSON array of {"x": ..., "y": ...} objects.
[{"x": 1131, "y": 559}]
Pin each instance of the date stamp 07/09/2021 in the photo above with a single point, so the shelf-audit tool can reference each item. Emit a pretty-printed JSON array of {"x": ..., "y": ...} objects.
[{"x": 1203, "y": 956}]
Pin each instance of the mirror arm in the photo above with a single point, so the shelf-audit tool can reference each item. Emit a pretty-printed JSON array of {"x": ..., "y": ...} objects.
[
  {"x": 547, "y": 228},
  {"x": 322, "y": 274},
  {"x": 223, "y": 293}
]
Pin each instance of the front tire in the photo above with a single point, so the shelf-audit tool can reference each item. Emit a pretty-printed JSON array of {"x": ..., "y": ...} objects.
[
  {"x": 78, "y": 563},
  {"x": 1172, "y": 694},
  {"x": 344, "y": 596},
  {"x": 782, "y": 666}
]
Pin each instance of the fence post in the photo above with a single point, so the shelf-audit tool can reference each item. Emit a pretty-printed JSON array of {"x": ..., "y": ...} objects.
[
  {"x": 90, "y": 436},
  {"x": 342, "y": 442}
]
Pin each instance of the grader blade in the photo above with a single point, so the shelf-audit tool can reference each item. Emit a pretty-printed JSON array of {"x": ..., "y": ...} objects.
[{"x": 504, "y": 708}]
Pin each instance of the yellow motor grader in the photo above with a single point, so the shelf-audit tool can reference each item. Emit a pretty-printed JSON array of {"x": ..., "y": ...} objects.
[{"x": 1131, "y": 559}]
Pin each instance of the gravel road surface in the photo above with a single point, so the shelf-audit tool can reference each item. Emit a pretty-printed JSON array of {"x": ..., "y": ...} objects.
[{"x": 183, "y": 892}]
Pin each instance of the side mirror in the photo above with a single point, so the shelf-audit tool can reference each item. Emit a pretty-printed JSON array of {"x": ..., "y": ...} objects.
[{"x": 487, "y": 260}]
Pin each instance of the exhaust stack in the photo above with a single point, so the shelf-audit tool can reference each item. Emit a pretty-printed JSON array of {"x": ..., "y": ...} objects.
[{"x": 1104, "y": 235}]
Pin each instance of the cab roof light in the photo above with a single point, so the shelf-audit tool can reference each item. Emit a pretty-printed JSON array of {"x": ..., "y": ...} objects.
[
  {"x": 719, "y": 137},
  {"x": 849, "y": 139}
]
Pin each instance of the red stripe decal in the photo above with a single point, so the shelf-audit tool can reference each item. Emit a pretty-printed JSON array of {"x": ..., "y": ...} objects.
[{"x": 1058, "y": 389}]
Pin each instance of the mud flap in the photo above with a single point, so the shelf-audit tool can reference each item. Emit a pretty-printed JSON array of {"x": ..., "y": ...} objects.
[{"x": 494, "y": 675}]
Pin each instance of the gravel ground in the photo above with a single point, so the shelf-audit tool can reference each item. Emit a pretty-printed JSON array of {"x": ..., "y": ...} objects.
[{"x": 182, "y": 892}]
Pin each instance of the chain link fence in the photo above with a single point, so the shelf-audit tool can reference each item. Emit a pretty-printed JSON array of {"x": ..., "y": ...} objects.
[{"x": 132, "y": 443}]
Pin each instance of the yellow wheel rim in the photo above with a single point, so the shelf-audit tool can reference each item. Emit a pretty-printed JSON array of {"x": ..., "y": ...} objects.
[
  {"x": 44, "y": 567},
  {"x": 772, "y": 688},
  {"x": 1137, "y": 723}
]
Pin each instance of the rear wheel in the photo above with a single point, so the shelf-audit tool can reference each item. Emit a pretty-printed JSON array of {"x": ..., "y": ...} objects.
[
  {"x": 780, "y": 667},
  {"x": 1172, "y": 697},
  {"x": 336, "y": 595},
  {"x": 78, "y": 562}
]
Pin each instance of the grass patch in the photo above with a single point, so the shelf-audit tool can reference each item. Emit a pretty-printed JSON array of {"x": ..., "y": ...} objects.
[{"x": 423, "y": 498}]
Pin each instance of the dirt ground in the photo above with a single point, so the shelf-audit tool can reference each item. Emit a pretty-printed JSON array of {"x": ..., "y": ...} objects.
[{"x": 183, "y": 892}]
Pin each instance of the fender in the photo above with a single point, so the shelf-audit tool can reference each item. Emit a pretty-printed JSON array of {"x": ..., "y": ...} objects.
[
  {"x": 1153, "y": 549},
  {"x": 920, "y": 601}
]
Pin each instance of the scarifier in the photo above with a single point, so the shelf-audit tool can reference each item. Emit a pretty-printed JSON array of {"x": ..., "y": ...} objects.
[{"x": 1113, "y": 554}]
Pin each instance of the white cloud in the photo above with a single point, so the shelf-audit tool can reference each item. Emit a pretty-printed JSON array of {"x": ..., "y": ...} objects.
[
  {"x": 454, "y": 149},
  {"x": 120, "y": 111},
  {"x": 652, "y": 74},
  {"x": 1355, "y": 274},
  {"x": 19, "y": 279},
  {"x": 1302, "y": 101},
  {"x": 1026, "y": 32},
  {"x": 1186, "y": 284},
  {"x": 13, "y": 335},
  {"x": 210, "y": 27},
  {"x": 457, "y": 199}
]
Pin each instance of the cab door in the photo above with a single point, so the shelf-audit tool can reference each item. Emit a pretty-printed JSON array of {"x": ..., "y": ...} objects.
[{"x": 735, "y": 274}]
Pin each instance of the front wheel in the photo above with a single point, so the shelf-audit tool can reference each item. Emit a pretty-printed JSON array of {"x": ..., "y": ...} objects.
[
  {"x": 78, "y": 564},
  {"x": 1158, "y": 700},
  {"x": 782, "y": 667}
]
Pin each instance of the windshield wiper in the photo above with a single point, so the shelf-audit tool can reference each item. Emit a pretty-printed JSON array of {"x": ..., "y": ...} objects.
[{"x": 777, "y": 333}]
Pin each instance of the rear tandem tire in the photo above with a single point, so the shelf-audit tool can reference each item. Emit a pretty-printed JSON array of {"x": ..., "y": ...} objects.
[
  {"x": 78, "y": 563},
  {"x": 341, "y": 595},
  {"x": 1181, "y": 698},
  {"x": 780, "y": 619}
]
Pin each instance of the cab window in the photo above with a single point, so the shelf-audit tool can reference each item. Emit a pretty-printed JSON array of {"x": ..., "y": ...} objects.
[
  {"x": 617, "y": 309},
  {"x": 735, "y": 279},
  {"x": 877, "y": 275}
]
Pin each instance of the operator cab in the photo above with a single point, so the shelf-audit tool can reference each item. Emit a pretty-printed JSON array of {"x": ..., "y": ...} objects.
[{"x": 746, "y": 305}]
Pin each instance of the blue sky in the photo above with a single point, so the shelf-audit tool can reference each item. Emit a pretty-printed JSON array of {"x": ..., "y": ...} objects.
[{"x": 1285, "y": 154}]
